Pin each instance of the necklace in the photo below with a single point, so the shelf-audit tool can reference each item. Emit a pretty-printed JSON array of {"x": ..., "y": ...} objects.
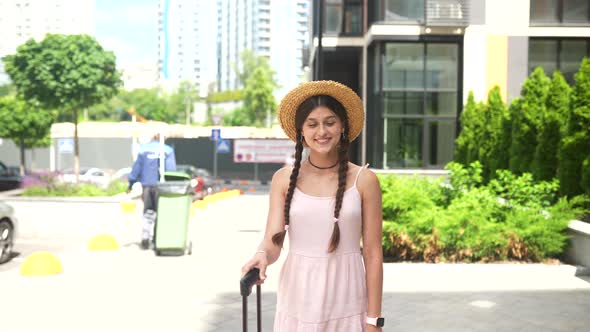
[{"x": 318, "y": 167}]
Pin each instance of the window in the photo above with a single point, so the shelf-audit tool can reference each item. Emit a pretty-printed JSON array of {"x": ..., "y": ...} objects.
[
  {"x": 418, "y": 100},
  {"x": 563, "y": 54},
  {"x": 404, "y": 10},
  {"x": 343, "y": 17},
  {"x": 560, "y": 12}
]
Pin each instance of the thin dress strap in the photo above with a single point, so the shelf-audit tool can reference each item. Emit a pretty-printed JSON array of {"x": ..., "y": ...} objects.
[{"x": 359, "y": 173}]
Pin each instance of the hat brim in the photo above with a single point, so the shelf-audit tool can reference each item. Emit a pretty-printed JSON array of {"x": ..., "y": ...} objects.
[{"x": 351, "y": 102}]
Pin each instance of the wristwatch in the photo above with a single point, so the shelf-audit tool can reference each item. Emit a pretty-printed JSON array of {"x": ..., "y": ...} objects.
[{"x": 377, "y": 321}]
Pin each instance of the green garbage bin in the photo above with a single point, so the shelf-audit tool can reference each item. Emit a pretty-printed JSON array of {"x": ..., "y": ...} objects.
[{"x": 174, "y": 200}]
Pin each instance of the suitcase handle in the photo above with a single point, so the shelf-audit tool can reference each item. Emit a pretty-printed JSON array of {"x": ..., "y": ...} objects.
[{"x": 246, "y": 283}]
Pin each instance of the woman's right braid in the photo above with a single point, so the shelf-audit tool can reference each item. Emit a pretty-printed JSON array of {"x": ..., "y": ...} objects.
[
  {"x": 278, "y": 238},
  {"x": 342, "y": 172}
]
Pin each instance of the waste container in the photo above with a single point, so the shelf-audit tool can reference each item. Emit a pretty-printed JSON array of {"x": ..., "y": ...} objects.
[{"x": 174, "y": 200}]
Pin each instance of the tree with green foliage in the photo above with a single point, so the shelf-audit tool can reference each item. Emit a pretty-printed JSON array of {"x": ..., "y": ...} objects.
[
  {"x": 551, "y": 128},
  {"x": 249, "y": 62},
  {"x": 65, "y": 72},
  {"x": 259, "y": 101},
  {"x": 526, "y": 121},
  {"x": 574, "y": 157},
  {"x": 491, "y": 142},
  {"x": 468, "y": 142},
  {"x": 151, "y": 104},
  {"x": 235, "y": 118},
  {"x": 25, "y": 124},
  {"x": 225, "y": 96},
  {"x": 180, "y": 103},
  {"x": 7, "y": 90}
]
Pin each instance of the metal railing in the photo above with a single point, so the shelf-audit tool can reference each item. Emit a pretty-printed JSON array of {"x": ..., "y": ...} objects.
[{"x": 446, "y": 12}]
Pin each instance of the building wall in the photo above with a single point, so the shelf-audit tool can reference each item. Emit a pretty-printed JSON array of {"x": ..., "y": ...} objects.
[
  {"x": 37, "y": 159},
  {"x": 276, "y": 30},
  {"x": 289, "y": 32},
  {"x": 106, "y": 153},
  {"x": 187, "y": 42}
]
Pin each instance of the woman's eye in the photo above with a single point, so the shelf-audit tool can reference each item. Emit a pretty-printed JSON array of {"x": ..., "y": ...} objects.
[
  {"x": 330, "y": 124},
  {"x": 312, "y": 125}
]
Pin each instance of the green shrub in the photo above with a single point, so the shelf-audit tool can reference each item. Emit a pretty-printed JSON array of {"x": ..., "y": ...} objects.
[
  {"x": 80, "y": 189},
  {"x": 511, "y": 218}
]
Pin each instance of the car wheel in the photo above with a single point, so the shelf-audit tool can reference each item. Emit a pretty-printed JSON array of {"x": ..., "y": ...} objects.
[{"x": 6, "y": 238}]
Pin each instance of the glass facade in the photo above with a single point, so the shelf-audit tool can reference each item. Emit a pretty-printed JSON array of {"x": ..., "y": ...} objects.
[
  {"x": 416, "y": 95},
  {"x": 560, "y": 12},
  {"x": 563, "y": 54},
  {"x": 343, "y": 17}
]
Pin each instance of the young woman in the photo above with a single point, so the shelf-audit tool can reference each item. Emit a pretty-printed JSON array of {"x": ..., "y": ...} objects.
[{"x": 326, "y": 205}]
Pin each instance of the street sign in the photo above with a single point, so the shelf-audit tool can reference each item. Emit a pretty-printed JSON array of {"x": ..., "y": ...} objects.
[
  {"x": 215, "y": 134},
  {"x": 223, "y": 146},
  {"x": 65, "y": 145}
]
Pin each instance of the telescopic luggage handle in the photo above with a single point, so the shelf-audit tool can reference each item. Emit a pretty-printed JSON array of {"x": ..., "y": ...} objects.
[
  {"x": 246, "y": 284},
  {"x": 248, "y": 281}
]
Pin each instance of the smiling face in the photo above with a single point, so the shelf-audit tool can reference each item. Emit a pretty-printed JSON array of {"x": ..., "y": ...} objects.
[{"x": 322, "y": 130}]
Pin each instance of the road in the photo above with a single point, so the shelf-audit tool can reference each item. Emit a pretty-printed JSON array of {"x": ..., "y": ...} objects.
[{"x": 133, "y": 290}]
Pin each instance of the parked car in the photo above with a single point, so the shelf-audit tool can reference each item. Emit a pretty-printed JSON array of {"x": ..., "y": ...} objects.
[
  {"x": 9, "y": 177},
  {"x": 87, "y": 174},
  {"x": 8, "y": 228},
  {"x": 122, "y": 174}
]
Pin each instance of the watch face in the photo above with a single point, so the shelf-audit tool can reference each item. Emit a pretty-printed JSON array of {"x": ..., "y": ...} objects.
[{"x": 380, "y": 322}]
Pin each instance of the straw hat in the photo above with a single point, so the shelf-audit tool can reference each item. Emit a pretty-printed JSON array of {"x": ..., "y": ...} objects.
[{"x": 349, "y": 99}]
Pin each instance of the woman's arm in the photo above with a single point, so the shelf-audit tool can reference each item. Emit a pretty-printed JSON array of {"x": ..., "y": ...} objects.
[
  {"x": 372, "y": 231},
  {"x": 275, "y": 222},
  {"x": 268, "y": 252}
]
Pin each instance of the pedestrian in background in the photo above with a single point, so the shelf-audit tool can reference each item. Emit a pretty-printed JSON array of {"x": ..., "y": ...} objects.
[
  {"x": 326, "y": 205},
  {"x": 146, "y": 170}
]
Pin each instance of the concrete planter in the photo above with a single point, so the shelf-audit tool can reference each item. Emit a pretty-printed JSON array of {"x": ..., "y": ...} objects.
[{"x": 578, "y": 251}]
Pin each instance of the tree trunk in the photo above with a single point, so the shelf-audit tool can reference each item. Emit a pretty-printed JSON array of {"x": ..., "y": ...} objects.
[
  {"x": 22, "y": 157},
  {"x": 33, "y": 163},
  {"x": 76, "y": 150}
]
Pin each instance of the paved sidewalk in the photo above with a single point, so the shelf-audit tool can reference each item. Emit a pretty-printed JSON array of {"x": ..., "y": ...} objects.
[{"x": 132, "y": 290}]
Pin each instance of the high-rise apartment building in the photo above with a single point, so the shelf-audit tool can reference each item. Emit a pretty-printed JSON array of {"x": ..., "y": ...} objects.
[
  {"x": 244, "y": 24},
  {"x": 289, "y": 39},
  {"x": 277, "y": 30},
  {"x": 414, "y": 62},
  {"x": 187, "y": 39},
  {"x": 21, "y": 20}
]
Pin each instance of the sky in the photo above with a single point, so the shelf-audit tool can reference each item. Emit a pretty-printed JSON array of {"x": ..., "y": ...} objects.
[{"x": 129, "y": 28}]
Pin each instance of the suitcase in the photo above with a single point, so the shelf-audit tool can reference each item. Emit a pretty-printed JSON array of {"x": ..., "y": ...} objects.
[{"x": 246, "y": 284}]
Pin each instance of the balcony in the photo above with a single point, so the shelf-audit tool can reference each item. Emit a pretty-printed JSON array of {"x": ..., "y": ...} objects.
[
  {"x": 444, "y": 13},
  {"x": 447, "y": 13}
]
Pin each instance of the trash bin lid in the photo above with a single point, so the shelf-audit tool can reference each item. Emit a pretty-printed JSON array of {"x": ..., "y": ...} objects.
[
  {"x": 176, "y": 176},
  {"x": 174, "y": 188}
]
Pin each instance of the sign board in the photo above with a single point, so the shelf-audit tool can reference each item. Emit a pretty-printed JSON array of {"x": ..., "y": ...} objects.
[
  {"x": 275, "y": 151},
  {"x": 65, "y": 145},
  {"x": 215, "y": 134},
  {"x": 223, "y": 146}
]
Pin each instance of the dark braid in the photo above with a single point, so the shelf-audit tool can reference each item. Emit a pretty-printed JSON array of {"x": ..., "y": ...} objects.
[
  {"x": 278, "y": 238},
  {"x": 342, "y": 173}
]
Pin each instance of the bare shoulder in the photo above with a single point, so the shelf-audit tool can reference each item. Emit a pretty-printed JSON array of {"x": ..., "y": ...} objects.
[
  {"x": 280, "y": 180},
  {"x": 368, "y": 182}
]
